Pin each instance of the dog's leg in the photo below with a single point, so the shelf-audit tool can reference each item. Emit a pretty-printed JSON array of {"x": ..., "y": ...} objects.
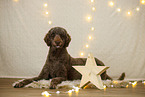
[
  {"x": 26, "y": 81},
  {"x": 104, "y": 75},
  {"x": 43, "y": 75},
  {"x": 122, "y": 76},
  {"x": 56, "y": 81},
  {"x": 108, "y": 77},
  {"x": 60, "y": 75}
]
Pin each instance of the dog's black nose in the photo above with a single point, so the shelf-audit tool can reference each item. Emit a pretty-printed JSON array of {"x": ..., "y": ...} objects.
[{"x": 57, "y": 42}]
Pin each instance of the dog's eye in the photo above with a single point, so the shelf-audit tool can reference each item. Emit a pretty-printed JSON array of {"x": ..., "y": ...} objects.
[
  {"x": 62, "y": 35},
  {"x": 52, "y": 35}
]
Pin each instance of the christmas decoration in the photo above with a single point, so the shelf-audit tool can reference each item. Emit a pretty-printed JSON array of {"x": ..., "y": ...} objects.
[{"x": 91, "y": 72}]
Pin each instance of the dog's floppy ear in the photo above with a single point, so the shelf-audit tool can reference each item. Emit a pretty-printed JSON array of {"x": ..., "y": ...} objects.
[
  {"x": 47, "y": 39},
  {"x": 68, "y": 39}
]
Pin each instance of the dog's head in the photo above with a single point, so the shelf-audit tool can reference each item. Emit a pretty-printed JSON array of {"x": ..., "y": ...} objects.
[{"x": 57, "y": 37}]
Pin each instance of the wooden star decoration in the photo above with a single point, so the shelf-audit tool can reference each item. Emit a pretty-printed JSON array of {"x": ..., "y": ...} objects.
[{"x": 91, "y": 72}]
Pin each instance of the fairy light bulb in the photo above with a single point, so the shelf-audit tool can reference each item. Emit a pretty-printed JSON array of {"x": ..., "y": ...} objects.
[
  {"x": 115, "y": 82},
  {"x": 137, "y": 9},
  {"x": 46, "y": 12},
  {"x": 15, "y": 0},
  {"x": 85, "y": 87},
  {"x": 93, "y": 8},
  {"x": 45, "y": 93},
  {"x": 104, "y": 88},
  {"x": 111, "y": 3},
  {"x": 129, "y": 13},
  {"x": 45, "y": 5},
  {"x": 70, "y": 92},
  {"x": 89, "y": 18},
  {"x": 142, "y": 1},
  {"x": 130, "y": 82},
  {"x": 134, "y": 84},
  {"x": 81, "y": 54},
  {"x": 143, "y": 82},
  {"x": 127, "y": 86},
  {"x": 77, "y": 89},
  {"x": 90, "y": 37},
  {"x": 57, "y": 92},
  {"x": 87, "y": 45},
  {"x": 92, "y": 28},
  {"x": 118, "y": 9},
  {"x": 49, "y": 22},
  {"x": 92, "y": 1}
]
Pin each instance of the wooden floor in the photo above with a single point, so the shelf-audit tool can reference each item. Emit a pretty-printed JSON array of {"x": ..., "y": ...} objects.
[{"x": 6, "y": 90}]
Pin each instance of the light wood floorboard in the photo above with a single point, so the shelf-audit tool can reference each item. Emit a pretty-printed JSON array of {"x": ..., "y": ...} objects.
[{"x": 6, "y": 90}]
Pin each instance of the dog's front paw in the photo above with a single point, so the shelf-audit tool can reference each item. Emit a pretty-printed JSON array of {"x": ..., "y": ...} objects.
[
  {"x": 19, "y": 85},
  {"x": 53, "y": 83},
  {"x": 52, "y": 86}
]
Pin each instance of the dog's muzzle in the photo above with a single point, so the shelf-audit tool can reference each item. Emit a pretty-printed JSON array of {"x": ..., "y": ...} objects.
[{"x": 57, "y": 41}]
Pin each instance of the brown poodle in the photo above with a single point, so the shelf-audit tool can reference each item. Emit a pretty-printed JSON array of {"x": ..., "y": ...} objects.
[{"x": 58, "y": 65}]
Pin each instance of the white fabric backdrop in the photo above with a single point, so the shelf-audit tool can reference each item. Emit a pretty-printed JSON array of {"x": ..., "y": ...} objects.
[{"x": 118, "y": 40}]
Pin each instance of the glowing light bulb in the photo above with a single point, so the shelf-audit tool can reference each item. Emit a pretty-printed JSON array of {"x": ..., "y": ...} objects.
[
  {"x": 118, "y": 9},
  {"x": 89, "y": 18},
  {"x": 134, "y": 84},
  {"x": 129, "y": 12},
  {"x": 92, "y": 1},
  {"x": 143, "y": 82},
  {"x": 77, "y": 89},
  {"x": 15, "y": 0},
  {"x": 111, "y": 3},
  {"x": 130, "y": 82},
  {"x": 45, "y": 93},
  {"x": 85, "y": 87},
  {"x": 81, "y": 53},
  {"x": 115, "y": 82},
  {"x": 126, "y": 86},
  {"x": 70, "y": 92},
  {"x": 46, "y": 12},
  {"x": 137, "y": 9},
  {"x": 57, "y": 92},
  {"x": 45, "y": 5},
  {"x": 49, "y": 22},
  {"x": 104, "y": 88},
  {"x": 142, "y": 1},
  {"x": 90, "y": 37},
  {"x": 93, "y": 8},
  {"x": 92, "y": 28},
  {"x": 87, "y": 45},
  {"x": 112, "y": 86}
]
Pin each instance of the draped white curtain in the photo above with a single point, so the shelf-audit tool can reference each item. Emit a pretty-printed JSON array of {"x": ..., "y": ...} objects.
[{"x": 118, "y": 39}]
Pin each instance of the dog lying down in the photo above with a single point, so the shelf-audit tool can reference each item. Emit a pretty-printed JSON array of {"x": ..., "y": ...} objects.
[{"x": 58, "y": 65}]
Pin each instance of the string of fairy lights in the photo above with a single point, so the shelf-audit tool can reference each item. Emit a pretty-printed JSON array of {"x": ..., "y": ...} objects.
[
  {"x": 119, "y": 10},
  {"x": 128, "y": 12},
  {"x": 76, "y": 90},
  {"x": 89, "y": 18}
]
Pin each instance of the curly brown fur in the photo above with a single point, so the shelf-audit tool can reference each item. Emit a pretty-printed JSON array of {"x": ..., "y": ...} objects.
[{"x": 58, "y": 65}]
